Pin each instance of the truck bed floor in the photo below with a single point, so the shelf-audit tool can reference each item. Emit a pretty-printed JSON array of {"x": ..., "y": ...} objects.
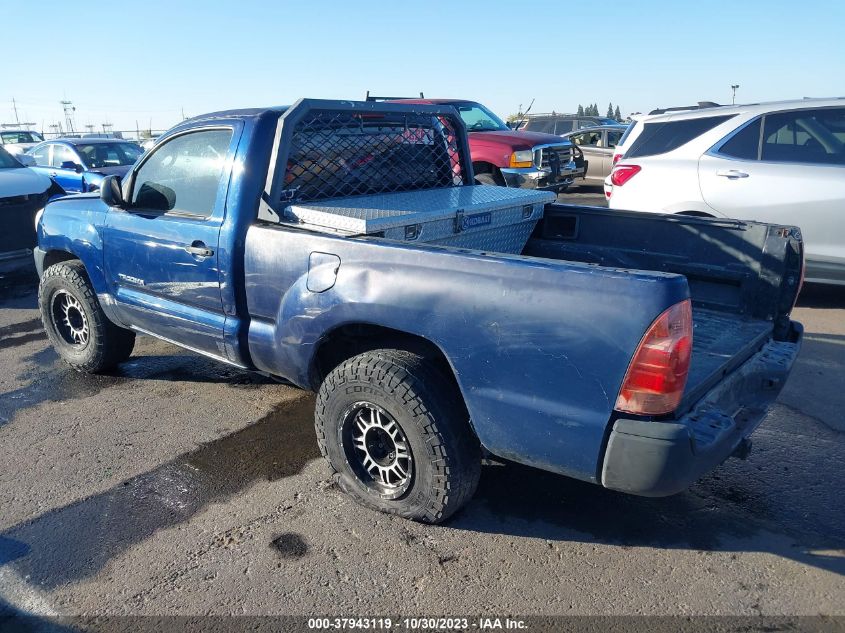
[{"x": 721, "y": 342}]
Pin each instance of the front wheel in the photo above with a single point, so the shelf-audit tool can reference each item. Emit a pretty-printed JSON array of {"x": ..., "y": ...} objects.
[
  {"x": 396, "y": 434},
  {"x": 490, "y": 179},
  {"x": 76, "y": 325}
]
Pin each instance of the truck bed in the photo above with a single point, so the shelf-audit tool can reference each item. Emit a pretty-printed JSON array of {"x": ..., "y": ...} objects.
[{"x": 743, "y": 276}]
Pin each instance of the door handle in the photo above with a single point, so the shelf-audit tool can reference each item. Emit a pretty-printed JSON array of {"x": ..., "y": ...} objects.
[
  {"x": 53, "y": 174},
  {"x": 731, "y": 173},
  {"x": 199, "y": 249}
]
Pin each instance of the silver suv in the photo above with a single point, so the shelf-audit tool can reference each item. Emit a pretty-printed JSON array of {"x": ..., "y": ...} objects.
[{"x": 780, "y": 162}]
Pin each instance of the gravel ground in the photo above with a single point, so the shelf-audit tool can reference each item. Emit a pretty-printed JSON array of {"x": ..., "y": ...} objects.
[{"x": 180, "y": 486}]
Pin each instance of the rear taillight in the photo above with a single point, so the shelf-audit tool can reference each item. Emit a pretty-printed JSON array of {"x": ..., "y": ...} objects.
[
  {"x": 623, "y": 173},
  {"x": 656, "y": 378},
  {"x": 616, "y": 158}
]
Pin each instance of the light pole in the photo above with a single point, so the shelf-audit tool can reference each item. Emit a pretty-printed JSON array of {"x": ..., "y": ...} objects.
[{"x": 733, "y": 95}]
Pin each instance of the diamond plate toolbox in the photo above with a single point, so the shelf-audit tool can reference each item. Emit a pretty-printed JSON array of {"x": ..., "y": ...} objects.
[{"x": 479, "y": 217}]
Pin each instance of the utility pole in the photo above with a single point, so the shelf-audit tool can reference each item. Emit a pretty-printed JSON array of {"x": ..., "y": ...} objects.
[
  {"x": 107, "y": 127},
  {"x": 733, "y": 95},
  {"x": 69, "y": 109},
  {"x": 15, "y": 108}
]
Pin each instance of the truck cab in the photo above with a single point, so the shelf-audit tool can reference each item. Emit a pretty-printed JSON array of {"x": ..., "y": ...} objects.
[{"x": 514, "y": 158}]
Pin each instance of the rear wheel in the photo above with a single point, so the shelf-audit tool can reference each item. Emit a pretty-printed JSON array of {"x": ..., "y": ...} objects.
[
  {"x": 75, "y": 323},
  {"x": 396, "y": 435}
]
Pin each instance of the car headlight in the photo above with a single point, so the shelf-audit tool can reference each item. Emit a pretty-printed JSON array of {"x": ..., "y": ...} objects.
[{"x": 524, "y": 158}]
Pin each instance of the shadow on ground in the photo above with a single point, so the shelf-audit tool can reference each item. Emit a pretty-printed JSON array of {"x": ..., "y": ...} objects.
[
  {"x": 50, "y": 380},
  {"x": 75, "y": 541}
]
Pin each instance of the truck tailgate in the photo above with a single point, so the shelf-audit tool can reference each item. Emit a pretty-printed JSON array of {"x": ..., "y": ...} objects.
[{"x": 721, "y": 342}]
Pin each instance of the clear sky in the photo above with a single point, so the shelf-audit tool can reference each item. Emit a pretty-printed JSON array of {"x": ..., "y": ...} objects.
[{"x": 146, "y": 61}]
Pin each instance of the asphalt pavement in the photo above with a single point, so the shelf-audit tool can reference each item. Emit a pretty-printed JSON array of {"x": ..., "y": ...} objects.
[{"x": 176, "y": 485}]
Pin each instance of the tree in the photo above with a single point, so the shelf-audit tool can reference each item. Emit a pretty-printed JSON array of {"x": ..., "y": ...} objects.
[
  {"x": 580, "y": 110},
  {"x": 595, "y": 111},
  {"x": 610, "y": 110},
  {"x": 617, "y": 114}
]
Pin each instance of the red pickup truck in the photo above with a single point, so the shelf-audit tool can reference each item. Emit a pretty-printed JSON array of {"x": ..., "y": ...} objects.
[{"x": 502, "y": 156}]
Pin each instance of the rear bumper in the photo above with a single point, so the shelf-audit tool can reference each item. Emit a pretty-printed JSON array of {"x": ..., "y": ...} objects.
[
  {"x": 657, "y": 459},
  {"x": 824, "y": 271},
  {"x": 533, "y": 178}
]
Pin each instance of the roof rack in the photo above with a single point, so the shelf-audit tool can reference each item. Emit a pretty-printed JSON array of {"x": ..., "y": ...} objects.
[
  {"x": 552, "y": 113},
  {"x": 372, "y": 98},
  {"x": 701, "y": 105}
]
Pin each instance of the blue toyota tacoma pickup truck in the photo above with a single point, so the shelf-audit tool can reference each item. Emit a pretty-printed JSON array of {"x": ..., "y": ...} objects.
[{"x": 342, "y": 246}]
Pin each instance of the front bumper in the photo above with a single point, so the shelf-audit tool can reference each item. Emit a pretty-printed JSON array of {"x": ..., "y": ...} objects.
[
  {"x": 535, "y": 178},
  {"x": 657, "y": 459}
]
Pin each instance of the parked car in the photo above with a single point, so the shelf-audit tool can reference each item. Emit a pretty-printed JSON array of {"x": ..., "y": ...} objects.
[
  {"x": 598, "y": 145},
  {"x": 560, "y": 124},
  {"x": 80, "y": 164},
  {"x": 23, "y": 193},
  {"x": 18, "y": 141},
  {"x": 780, "y": 162},
  {"x": 638, "y": 120},
  {"x": 250, "y": 236},
  {"x": 117, "y": 135},
  {"x": 506, "y": 157}
]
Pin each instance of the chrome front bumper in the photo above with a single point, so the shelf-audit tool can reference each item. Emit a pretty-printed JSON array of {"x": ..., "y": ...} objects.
[{"x": 540, "y": 178}]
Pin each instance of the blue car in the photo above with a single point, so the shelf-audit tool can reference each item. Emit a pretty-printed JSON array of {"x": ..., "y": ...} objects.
[{"x": 80, "y": 164}]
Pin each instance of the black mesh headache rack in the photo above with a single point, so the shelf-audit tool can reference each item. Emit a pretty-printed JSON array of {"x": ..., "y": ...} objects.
[{"x": 398, "y": 171}]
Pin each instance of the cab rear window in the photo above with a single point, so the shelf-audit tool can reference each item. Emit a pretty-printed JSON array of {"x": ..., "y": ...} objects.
[{"x": 662, "y": 137}]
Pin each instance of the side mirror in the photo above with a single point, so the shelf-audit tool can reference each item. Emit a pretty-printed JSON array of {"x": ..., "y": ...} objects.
[
  {"x": 69, "y": 164},
  {"x": 111, "y": 192},
  {"x": 26, "y": 160}
]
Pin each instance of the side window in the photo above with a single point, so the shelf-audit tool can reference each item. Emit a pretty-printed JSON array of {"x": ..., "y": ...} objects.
[
  {"x": 805, "y": 136},
  {"x": 590, "y": 139},
  {"x": 563, "y": 126},
  {"x": 546, "y": 126},
  {"x": 62, "y": 154},
  {"x": 41, "y": 156},
  {"x": 613, "y": 138},
  {"x": 183, "y": 174},
  {"x": 744, "y": 144},
  {"x": 659, "y": 138}
]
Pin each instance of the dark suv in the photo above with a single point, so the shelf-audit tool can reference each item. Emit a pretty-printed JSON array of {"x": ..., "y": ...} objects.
[{"x": 559, "y": 124}]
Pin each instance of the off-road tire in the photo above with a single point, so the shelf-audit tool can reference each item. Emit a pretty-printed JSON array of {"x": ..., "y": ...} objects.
[
  {"x": 107, "y": 344},
  {"x": 427, "y": 406}
]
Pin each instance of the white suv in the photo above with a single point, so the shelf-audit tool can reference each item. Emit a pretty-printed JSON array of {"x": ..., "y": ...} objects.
[{"x": 775, "y": 162}]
